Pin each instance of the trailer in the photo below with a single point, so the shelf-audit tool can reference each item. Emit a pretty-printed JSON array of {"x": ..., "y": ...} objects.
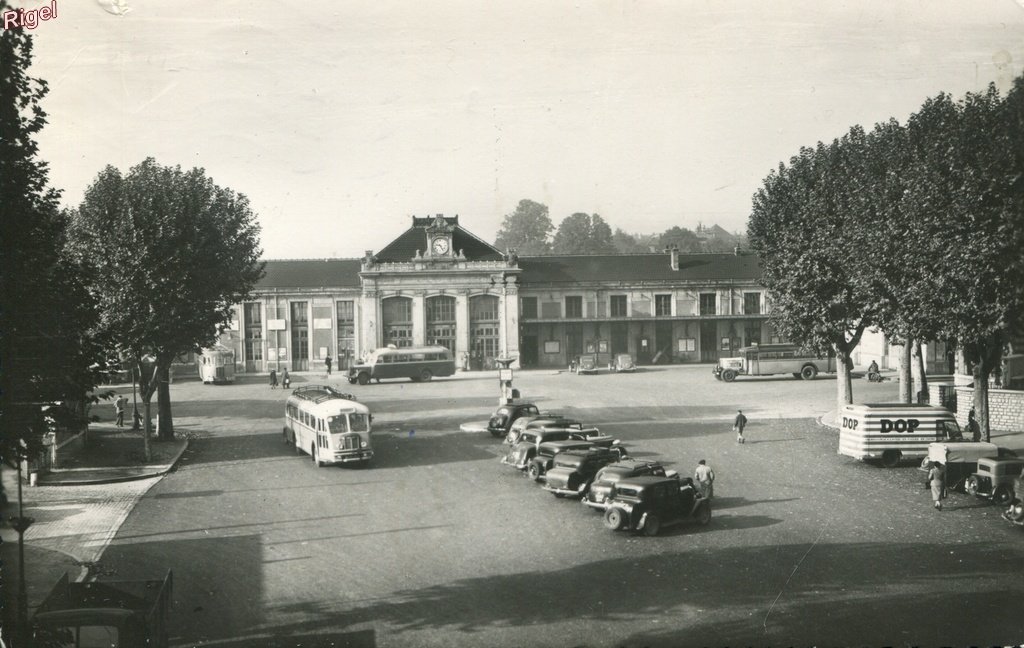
[{"x": 119, "y": 614}]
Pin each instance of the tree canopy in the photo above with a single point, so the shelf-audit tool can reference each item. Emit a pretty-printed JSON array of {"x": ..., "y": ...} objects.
[
  {"x": 167, "y": 253},
  {"x": 526, "y": 230},
  {"x": 583, "y": 234}
]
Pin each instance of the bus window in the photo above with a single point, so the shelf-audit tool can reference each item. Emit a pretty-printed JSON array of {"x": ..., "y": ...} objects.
[
  {"x": 359, "y": 422},
  {"x": 338, "y": 424}
]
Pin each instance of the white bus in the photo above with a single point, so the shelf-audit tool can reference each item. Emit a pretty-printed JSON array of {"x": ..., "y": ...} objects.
[
  {"x": 418, "y": 364},
  {"x": 769, "y": 359},
  {"x": 216, "y": 365},
  {"x": 331, "y": 426}
]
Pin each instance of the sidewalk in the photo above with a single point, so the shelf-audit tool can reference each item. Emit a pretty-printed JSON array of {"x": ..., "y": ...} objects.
[{"x": 77, "y": 510}]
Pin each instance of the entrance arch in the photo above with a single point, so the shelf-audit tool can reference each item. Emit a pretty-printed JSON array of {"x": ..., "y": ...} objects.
[{"x": 483, "y": 331}]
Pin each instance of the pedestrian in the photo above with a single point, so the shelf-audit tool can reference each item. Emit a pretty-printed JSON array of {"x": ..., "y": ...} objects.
[
  {"x": 705, "y": 478},
  {"x": 286, "y": 380},
  {"x": 273, "y": 379},
  {"x": 973, "y": 427},
  {"x": 119, "y": 406},
  {"x": 327, "y": 361},
  {"x": 738, "y": 425},
  {"x": 937, "y": 481}
]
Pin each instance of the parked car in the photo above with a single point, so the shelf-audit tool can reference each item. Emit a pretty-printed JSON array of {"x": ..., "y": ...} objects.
[
  {"x": 648, "y": 504},
  {"x": 525, "y": 449},
  {"x": 587, "y": 365},
  {"x": 603, "y": 486},
  {"x": 546, "y": 453},
  {"x": 961, "y": 459},
  {"x": 622, "y": 362},
  {"x": 503, "y": 418},
  {"x": 574, "y": 471},
  {"x": 535, "y": 422},
  {"x": 994, "y": 479},
  {"x": 1014, "y": 513}
]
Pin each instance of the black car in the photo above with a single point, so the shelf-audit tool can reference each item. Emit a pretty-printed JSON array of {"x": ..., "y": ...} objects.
[
  {"x": 1014, "y": 513},
  {"x": 544, "y": 460},
  {"x": 506, "y": 415},
  {"x": 574, "y": 471},
  {"x": 648, "y": 504},
  {"x": 603, "y": 486}
]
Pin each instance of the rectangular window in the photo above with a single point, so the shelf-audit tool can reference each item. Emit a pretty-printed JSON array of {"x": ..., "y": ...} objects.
[
  {"x": 529, "y": 306},
  {"x": 573, "y": 307},
  {"x": 707, "y": 303},
  {"x": 618, "y": 306},
  {"x": 752, "y": 303},
  {"x": 663, "y": 305}
]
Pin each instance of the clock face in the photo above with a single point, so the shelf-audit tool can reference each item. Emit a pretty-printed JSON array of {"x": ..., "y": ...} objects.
[{"x": 440, "y": 246}]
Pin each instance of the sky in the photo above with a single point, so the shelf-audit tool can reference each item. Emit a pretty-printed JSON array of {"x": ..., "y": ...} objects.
[{"x": 342, "y": 119}]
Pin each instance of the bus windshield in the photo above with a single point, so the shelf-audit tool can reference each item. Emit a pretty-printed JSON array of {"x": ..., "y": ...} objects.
[
  {"x": 337, "y": 423},
  {"x": 359, "y": 422}
]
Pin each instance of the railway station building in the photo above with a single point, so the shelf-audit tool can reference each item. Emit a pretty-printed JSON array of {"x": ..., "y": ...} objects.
[{"x": 438, "y": 283}]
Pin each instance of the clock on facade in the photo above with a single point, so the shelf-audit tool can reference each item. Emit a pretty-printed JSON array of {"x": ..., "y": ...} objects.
[{"x": 439, "y": 246}]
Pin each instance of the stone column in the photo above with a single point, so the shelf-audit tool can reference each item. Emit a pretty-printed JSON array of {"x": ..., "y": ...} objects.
[
  {"x": 369, "y": 322},
  {"x": 419, "y": 320},
  {"x": 461, "y": 327},
  {"x": 509, "y": 314}
]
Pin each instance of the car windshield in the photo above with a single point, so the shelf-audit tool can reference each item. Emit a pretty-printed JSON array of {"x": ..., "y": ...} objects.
[{"x": 359, "y": 422}]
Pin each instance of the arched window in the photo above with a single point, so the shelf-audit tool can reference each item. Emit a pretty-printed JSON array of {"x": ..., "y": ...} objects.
[
  {"x": 397, "y": 321},
  {"x": 483, "y": 331},
  {"x": 441, "y": 321}
]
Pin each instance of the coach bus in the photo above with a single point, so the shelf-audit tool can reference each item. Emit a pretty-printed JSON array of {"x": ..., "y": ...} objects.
[
  {"x": 769, "y": 359},
  {"x": 216, "y": 365},
  {"x": 416, "y": 363},
  {"x": 331, "y": 426}
]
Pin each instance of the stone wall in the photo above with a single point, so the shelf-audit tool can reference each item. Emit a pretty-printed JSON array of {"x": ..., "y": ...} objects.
[{"x": 1005, "y": 408}]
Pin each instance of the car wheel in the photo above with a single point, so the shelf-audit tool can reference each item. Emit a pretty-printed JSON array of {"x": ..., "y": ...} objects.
[
  {"x": 704, "y": 514},
  {"x": 891, "y": 458},
  {"x": 728, "y": 375},
  {"x": 1002, "y": 496},
  {"x": 426, "y": 375},
  {"x": 614, "y": 518},
  {"x": 809, "y": 372},
  {"x": 364, "y": 379},
  {"x": 652, "y": 526},
  {"x": 533, "y": 471}
]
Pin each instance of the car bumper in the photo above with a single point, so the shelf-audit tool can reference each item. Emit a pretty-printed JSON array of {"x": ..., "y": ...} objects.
[
  {"x": 507, "y": 461},
  {"x": 561, "y": 490},
  {"x": 349, "y": 457}
]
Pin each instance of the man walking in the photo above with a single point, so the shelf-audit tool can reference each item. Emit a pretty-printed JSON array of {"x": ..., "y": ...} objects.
[
  {"x": 327, "y": 361},
  {"x": 705, "y": 478},
  {"x": 738, "y": 425},
  {"x": 119, "y": 405}
]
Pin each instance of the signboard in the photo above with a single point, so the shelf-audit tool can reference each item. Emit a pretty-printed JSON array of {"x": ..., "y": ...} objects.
[
  {"x": 272, "y": 354},
  {"x": 322, "y": 323},
  {"x": 275, "y": 324},
  {"x": 505, "y": 375},
  {"x": 282, "y": 353},
  {"x": 323, "y": 352},
  {"x": 602, "y": 346},
  {"x": 552, "y": 346}
]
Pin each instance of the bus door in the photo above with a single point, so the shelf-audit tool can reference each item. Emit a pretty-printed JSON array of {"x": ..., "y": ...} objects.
[{"x": 753, "y": 364}]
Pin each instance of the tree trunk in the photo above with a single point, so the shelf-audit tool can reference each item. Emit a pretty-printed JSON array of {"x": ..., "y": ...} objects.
[
  {"x": 906, "y": 380},
  {"x": 922, "y": 386},
  {"x": 981, "y": 399},
  {"x": 147, "y": 429},
  {"x": 165, "y": 428},
  {"x": 844, "y": 383}
]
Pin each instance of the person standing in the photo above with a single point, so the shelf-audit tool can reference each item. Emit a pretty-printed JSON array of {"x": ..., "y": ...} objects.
[
  {"x": 705, "y": 478},
  {"x": 937, "y": 481},
  {"x": 273, "y": 379},
  {"x": 738, "y": 425},
  {"x": 972, "y": 426},
  {"x": 286, "y": 380},
  {"x": 119, "y": 406},
  {"x": 327, "y": 361}
]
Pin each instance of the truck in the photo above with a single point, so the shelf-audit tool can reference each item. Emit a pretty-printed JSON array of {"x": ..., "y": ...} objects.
[
  {"x": 891, "y": 432},
  {"x": 115, "y": 614}
]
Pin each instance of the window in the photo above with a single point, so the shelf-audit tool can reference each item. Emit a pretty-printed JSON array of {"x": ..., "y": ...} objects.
[
  {"x": 663, "y": 305},
  {"x": 752, "y": 303},
  {"x": 529, "y": 306},
  {"x": 707, "y": 303},
  {"x": 574, "y": 307},
  {"x": 618, "y": 306},
  {"x": 397, "y": 325},
  {"x": 346, "y": 316}
]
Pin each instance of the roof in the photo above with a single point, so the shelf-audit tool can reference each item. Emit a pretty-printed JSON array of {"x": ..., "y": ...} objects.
[
  {"x": 311, "y": 273},
  {"x": 638, "y": 267},
  {"x": 414, "y": 239}
]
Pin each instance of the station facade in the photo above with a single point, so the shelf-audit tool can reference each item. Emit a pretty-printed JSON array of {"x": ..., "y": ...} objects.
[{"x": 437, "y": 283}]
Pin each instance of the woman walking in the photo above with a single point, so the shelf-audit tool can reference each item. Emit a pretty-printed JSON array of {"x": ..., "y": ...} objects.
[{"x": 937, "y": 481}]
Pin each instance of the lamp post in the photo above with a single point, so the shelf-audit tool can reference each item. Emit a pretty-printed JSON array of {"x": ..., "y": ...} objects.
[{"x": 20, "y": 523}]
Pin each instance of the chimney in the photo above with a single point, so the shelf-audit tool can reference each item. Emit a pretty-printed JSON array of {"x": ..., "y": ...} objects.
[
  {"x": 736, "y": 251},
  {"x": 673, "y": 250}
]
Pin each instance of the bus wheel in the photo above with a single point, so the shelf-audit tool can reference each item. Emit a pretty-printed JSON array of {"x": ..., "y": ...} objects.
[
  {"x": 284, "y": 431},
  {"x": 809, "y": 372},
  {"x": 728, "y": 375},
  {"x": 891, "y": 458},
  {"x": 426, "y": 375},
  {"x": 364, "y": 379}
]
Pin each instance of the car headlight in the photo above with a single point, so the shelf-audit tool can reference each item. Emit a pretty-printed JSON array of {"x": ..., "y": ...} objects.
[{"x": 364, "y": 444}]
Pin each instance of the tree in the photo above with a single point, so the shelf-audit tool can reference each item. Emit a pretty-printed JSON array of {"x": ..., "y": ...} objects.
[
  {"x": 45, "y": 312},
  {"x": 168, "y": 253},
  {"x": 583, "y": 234},
  {"x": 626, "y": 243},
  {"x": 684, "y": 239},
  {"x": 965, "y": 196},
  {"x": 526, "y": 229},
  {"x": 804, "y": 226}
]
